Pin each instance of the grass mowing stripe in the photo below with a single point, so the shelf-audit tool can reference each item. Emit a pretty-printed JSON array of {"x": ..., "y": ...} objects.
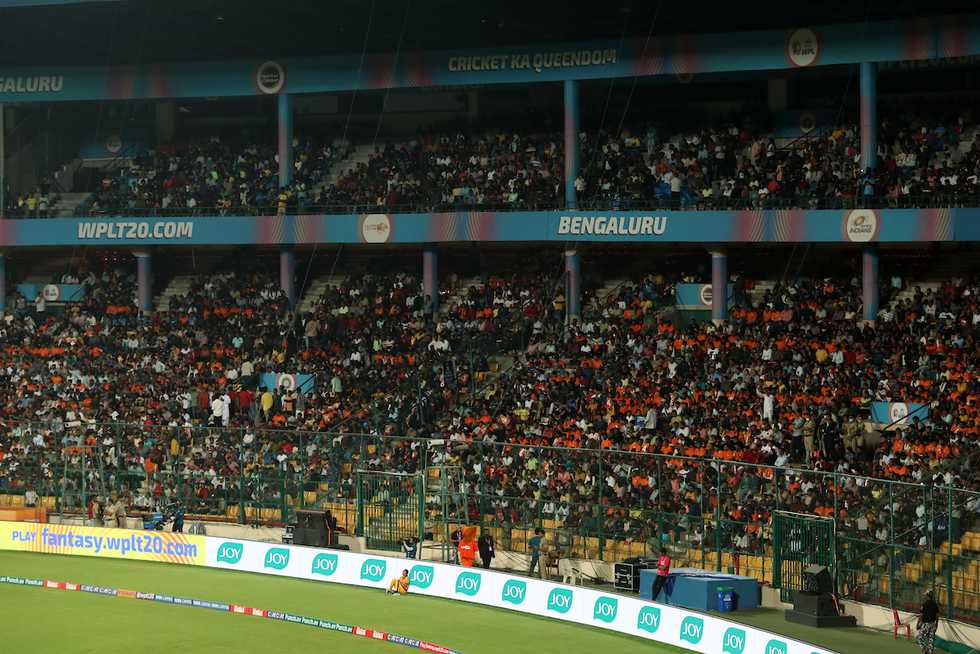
[{"x": 234, "y": 608}]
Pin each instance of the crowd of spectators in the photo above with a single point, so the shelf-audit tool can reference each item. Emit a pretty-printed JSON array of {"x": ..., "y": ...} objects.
[
  {"x": 380, "y": 361},
  {"x": 738, "y": 163},
  {"x": 785, "y": 383},
  {"x": 181, "y": 404},
  {"x": 37, "y": 203},
  {"x": 498, "y": 169},
  {"x": 739, "y": 166},
  {"x": 734, "y": 165},
  {"x": 214, "y": 177}
]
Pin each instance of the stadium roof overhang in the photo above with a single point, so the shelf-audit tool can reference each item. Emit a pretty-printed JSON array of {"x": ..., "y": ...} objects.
[
  {"x": 135, "y": 32},
  {"x": 802, "y": 47}
]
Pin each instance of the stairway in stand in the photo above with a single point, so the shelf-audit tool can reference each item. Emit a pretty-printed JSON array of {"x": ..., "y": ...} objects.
[{"x": 316, "y": 289}]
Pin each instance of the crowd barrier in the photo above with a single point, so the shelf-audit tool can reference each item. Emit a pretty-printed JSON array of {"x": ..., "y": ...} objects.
[{"x": 691, "y": 630}]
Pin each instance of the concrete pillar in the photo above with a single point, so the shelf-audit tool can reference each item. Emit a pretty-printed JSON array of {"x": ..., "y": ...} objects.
[
  {"x": 572, "y": 113},
  {"x": 778, "y": 94},
  {"x": 144, "y": 281},
  {"x": 3, "y": 282},
  {"x": 3, "y": 159},
  {"x": 285, "y": 135},
  {"x": 472, "y": 106},
  {"x": 430, "y": 279},
  {"x": 719, "y": 285},
  {"x": 869, "y": 115},
  {"x": 869, "y": 281},
  {"x": 166, "y": 121},
  {"x": 573, "y": 285},
  {"x": 287, "y": 274}
]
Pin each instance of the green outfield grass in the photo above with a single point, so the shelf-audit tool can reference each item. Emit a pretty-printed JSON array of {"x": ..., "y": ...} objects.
[{"x": 41, "y": 620}]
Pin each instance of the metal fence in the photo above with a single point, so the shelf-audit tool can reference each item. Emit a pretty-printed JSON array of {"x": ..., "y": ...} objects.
[
  {"x": 626, "y": 202},
  {"x": 894, "y": 540}
]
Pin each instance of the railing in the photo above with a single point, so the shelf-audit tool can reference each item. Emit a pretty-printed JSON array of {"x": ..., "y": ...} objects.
[
  {"x": 894, "y": 539},
  {"x": 604, "y": 203}
]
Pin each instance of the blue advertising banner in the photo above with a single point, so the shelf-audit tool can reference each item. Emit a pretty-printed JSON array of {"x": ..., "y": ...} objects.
[
  {"x": 683, "y": 55},
  {"x": 697, "y": 296},
  {"x": 898, "y": 412},
  {"x": 301, "y": 382},
  {"x": 53, "y": 292},
  {"x": 802, "y": 226}
]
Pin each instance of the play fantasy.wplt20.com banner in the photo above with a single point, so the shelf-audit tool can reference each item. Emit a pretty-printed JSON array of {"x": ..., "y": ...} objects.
[{"x": 98, "y": 541}]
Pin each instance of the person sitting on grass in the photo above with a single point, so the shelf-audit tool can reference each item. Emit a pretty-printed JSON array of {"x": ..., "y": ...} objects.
[{"x": 399, "y": 586}]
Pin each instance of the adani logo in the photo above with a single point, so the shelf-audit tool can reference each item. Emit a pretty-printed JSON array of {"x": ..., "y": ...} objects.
[
  {"x": 325, "y": 564},
  {"x": 373, "y": 569},
  {"x": 230, "y": 553},
  {"x": 276, "y": 558},
  {"x": 560, "y": 600},
  {"x": 468, "y": 583},
  {"x": 605, "y": 609},
  {"x": 514, "y": 592},
  {"x": 421, "y": 576}
]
